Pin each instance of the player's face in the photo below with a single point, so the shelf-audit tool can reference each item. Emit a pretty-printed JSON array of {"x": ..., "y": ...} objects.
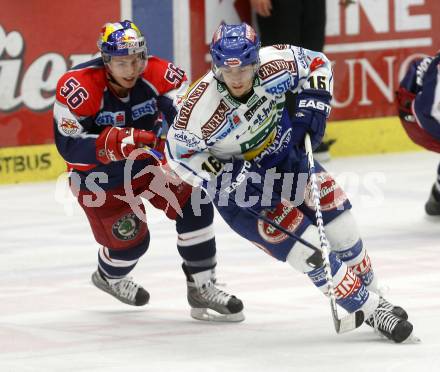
[
  {"x": 126, "y": 69},
  {"x": 239, "y": 80}
]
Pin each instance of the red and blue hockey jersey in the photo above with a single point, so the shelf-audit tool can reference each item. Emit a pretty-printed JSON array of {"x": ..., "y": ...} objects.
[{"x": 85, "y": 104}]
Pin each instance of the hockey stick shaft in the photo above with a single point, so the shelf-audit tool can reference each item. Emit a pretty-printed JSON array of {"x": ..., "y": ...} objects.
[
  {"x": 158, "y": 156},
  {"x": 351, "y": 321},
  {"x": 279, "y": 227}
]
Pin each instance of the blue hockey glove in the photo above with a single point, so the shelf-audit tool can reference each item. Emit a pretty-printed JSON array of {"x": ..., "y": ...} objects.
[{"x": 311, "y": 113}]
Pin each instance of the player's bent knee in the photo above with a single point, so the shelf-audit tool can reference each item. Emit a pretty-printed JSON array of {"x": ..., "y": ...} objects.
[
  {"x": 342, "y": 233},
  {"x": 300, "y": 254}
]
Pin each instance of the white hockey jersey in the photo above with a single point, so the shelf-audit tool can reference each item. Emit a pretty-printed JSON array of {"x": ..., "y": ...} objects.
[{"x": 212, "y": 127}]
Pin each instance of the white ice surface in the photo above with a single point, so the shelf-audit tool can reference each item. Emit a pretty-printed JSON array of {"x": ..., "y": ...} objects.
[{"x": 53, "y": 319}]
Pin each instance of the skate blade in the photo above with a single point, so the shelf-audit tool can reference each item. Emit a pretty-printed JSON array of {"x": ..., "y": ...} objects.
[
  {"x": 210, "y": 316},
  {"x": 412, "y": 339}
]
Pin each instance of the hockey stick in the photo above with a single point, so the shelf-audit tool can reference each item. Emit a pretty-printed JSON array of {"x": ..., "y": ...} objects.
[
  {"x": 350, "y": 321},
  {"x": 158, "y": 157},
  {"x": 313, "y": 261}
]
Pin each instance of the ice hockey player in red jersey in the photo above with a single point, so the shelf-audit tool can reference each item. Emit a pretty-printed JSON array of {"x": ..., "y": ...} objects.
[
  {"x": 234, "y": 136},
  {"x": 106, "y": 110},
  {"x": 418, "y": 103}
]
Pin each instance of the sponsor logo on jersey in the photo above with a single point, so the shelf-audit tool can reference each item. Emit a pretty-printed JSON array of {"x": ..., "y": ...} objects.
[
  {"x": 217, "y": 118},
  {"x": 126, "y": 228},
  {"x": 239, "y": 178},
  {"x": 116, "y": 119},
  {"x": 315, "y": 104},
  {"x": 266, "y": 133},
  {"x": 279, "y": 85},
  {"x": 231, "y": 123},
  {"x": 220, "y": 87},
  {"x": 69, "y": 126},
  {"x": 275, "y": 66},
  {"x": 277, "y": 146},
  {"x": 262, "y": 117},
  {"x": 235, "y": 119},
  {"x": 302, "y": 57},
  {"x": 188, "y": 105},
  {"x": 286, "y": 216},
  {"x": 331, "y": 194},
  {"x": 189, "y": 140},
  {"x": 148, "y": 107},
  {"x": 249, "y": 113}
]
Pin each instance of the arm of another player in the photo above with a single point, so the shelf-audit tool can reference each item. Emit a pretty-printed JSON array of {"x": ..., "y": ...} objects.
[{"x": 417, "y": 103}]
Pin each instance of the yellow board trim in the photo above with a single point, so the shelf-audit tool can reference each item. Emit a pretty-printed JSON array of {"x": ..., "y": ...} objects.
[
  {"x": 353, "y": 137},
  {"x": 30, "y": 164},
  {"x": 368, "y": 136}
]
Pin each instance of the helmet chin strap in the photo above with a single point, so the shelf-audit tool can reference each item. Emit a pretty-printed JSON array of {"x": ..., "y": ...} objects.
[{"x": 110, "y": 77}]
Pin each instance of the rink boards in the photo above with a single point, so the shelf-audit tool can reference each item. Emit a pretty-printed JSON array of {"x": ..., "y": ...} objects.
[
  {"x": 354, "y": 137},
  {"x": 370, "y": 49}
]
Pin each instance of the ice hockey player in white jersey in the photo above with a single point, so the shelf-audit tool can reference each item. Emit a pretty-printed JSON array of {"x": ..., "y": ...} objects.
[
  {"x": 418, "y": 102},
  {"x": 234, "y": 136}
]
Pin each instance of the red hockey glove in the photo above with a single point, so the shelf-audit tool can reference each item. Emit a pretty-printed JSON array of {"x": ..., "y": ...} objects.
[
  {"x": 404, "y": 99},
  {"x": 116, "y": 143}
]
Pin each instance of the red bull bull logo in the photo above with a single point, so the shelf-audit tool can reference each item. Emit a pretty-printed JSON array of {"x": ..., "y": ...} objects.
[{"x": 69, "y": 126}]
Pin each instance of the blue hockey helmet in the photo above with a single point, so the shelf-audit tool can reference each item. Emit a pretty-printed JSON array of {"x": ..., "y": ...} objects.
[
  {"x": 234, "y": 45},
  {"x": 121, "y": 39}
]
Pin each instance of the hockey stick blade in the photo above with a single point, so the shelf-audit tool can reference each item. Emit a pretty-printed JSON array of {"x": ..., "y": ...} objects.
[
  {"x": 349, "y": 322},
  {"x": 345, "y": 324}
]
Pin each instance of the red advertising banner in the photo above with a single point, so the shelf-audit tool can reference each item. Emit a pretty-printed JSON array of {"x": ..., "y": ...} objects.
[
  {"x": 371, "y": 44},
  {"x": 39, "y": 41}
]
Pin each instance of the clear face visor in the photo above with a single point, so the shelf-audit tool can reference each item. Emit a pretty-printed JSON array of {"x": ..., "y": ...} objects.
[{"x": 236, "y": 74}]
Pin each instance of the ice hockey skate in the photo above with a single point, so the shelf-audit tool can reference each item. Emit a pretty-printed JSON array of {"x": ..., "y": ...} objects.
[
  {"x": 396, "y": 310},
  {"x": 124, "y": 289},
  {"x": 391, "y": 322},
  {"x": 208, "y": 302},
  {"x": 432, "y": 206}
]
